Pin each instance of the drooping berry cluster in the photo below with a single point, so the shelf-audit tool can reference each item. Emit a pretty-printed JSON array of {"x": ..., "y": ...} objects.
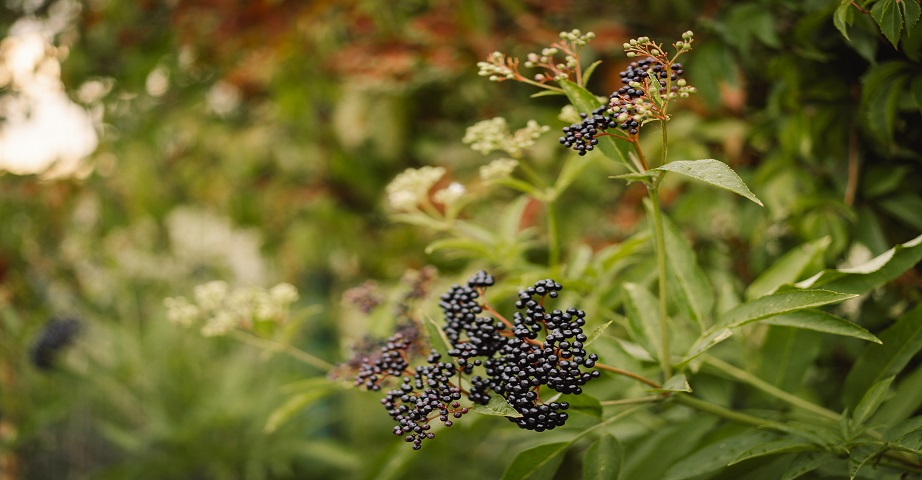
[
  {"x": 648, "y": 85},
  {"x": 57, "y": 334},
  {"x": 538, "y": 349},
  {"x": 391, "y": 359},
  {"x": 583, "y": 136},
  {"x": 526, "y": 364},
  {"x": 426, "y": 394},
  {"x": 469, "y": 334}
]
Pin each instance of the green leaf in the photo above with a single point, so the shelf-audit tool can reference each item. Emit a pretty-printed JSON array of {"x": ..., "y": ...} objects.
[
  {"x": 717, "y": 455},
  {"x": 586, "y": 102},
  {"x": 807, "y": 462},
  {"x": 459, "y": 245},
  {"x": 711, "y": 171},
  {"x": 588, "y": 71},
  {"x": 437, "y": 338},
  {"x": 292, "y": 406},
  {"x": 906, "y": 207},
  {"x": 655, "y": 86},
  {"x": 643, "y": 320},
  {"x": 901, "y": 342},
  {"x": 820, "y": 321},
  {"x": 881, "y": 92},
  {"x": 497, "y": 407},
  {"x": 635, "y": 177},
  {"x": 668, "y": 443},
  {"x": 595, "y": 334},
  {"x": 915, "y": 89},
  {"x": 603, "y": 459},
  {"x": 693, "y": 283},
  {"x": 547, "y": 93},
  {"x": 911, "y": 13},
  {"x": 786, "y": 355},
  {"x": 538, "y": 463},
  {"x": 572, "y": 167},
  {"x": 705, "y": 343},
  {"x": 676, "y": 383},
  {"x": 788, "y": 268},
  {"x": 871, "y": 274},
  {"x": 779, "y": 303},
  {"x": 843, "y": 17},
  {"x": 517, "y": 184},
  {"x": 905, "y": 401},
  {"x": 871, "y": 400},
  {"x": 887, "y": 15},
  {"x": 585, "y": 410},
  {"x": 774, "y": 447},
  {"x": 860, "y": 455}
]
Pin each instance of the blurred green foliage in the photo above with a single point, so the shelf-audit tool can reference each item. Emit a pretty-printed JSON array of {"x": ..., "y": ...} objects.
[{"x": 279, "y": 126}]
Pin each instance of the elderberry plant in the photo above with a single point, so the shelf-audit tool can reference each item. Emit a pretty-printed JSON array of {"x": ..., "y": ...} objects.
[{"x": 670, "y": 333}]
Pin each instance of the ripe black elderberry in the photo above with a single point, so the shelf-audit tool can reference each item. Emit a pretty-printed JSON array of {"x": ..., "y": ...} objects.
[
  {"x": 390, "y": 359},
  {"x": 57, "y": 334},
  {"x": 423, "y": 396},
  {"x": 525, "y": 364},
  {"x": 470, "y": 334}
]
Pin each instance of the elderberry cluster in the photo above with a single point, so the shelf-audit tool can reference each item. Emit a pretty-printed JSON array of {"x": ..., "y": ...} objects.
[
  {"x": 526, "y": 364},
  {"x": 540, "y": 348},
  {"x": 628, "y": 107},
  {"x": 422, "y": 396}
]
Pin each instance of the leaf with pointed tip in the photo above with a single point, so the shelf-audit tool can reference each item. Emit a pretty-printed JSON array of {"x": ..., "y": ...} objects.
[
  {"x": 641, "y": 307},
  {"x": 595, "y": 334},
  {"x": 711, "y": 171},
  {"x": 788, "y": 268},
  {"x": 603, "y": 459},
  {"x": 820, "y": 321},
  {"x": 901, "y": 341},
  {"x": 587, "y": 73},
  {"x": 887, "y": 15},
  {"x": 295, "y": 404},
  {"x": 547, "y": 93},
  {"x": 696, "y": 293},
  {"x": 537, "y": 463},
  {"x": 777, "y": 303},
  {"x": 676, "y": 383},
  {"x": 871, "y": 400},
  {"x": 497, "y": 407},
  {"x": 807, "y": 462},
  {"x": 911, "y": 13},
  {"x": 843, "y": 18},
  {"x": 705, "y": 343},
  {"x": 774, "y": 447},
  {"x": 717, "y": 455},
  {"x": 871, "y": 274},
  {"x": 860, "y": 455}
]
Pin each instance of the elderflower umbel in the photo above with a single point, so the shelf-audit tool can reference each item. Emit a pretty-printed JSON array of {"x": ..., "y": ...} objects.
[
  {"x": 411, "y": 186},
  {"x": 222, "y": 309},
  {"x": 490, "y": 135},
  {"x": 497, "y": 169}
]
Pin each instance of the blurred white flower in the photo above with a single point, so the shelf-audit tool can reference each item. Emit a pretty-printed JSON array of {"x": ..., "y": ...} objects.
[
  {"x": 497, "y": 169},
  {"x": 181, "y": 312},
  {"x": 411, "y": 186},
  {"x": 450, "y": 194},
  {"x": 491, "y": 135},
  {"x": 211, "y": 295}
]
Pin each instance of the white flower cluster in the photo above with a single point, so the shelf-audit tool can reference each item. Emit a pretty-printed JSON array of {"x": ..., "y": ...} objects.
[
  {"x": 497, "y": 169},
  {"x": 220, "y": 309},
  {"x": 490, "y": 135},
  {"x": 409, "y": 188}
]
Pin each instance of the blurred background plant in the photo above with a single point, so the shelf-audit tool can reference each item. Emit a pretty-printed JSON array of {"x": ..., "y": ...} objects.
[{"x": 147, "y": 148}]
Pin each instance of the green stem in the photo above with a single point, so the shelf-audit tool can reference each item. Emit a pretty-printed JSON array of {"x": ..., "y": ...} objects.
[
  {"x": 665, "y": 142},
  {"x": 661, "y": 269},
  {"x": 725, "y": 412},
  {"x": 553, "y": 239},
  {"x": 626, "y": 373},
  {"x": 756, "y": 382},
  {"x": 273, "y": 346}
]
